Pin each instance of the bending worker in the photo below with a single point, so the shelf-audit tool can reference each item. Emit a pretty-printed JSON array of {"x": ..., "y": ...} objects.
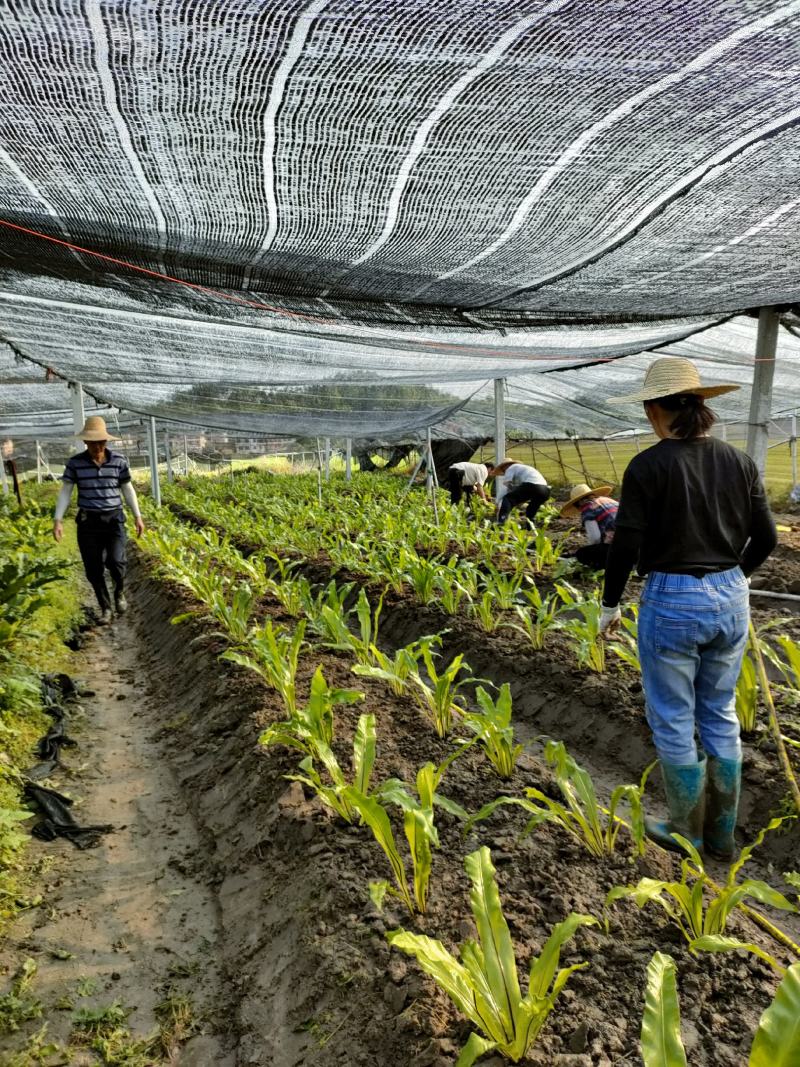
[
  {"x": 519, "y": 484},
  {"x": 693, "y": 513},
  {"x": 469, "y": 477},
  {"x": 598, "y": 515},
  {"x": 103, "y": 480}
]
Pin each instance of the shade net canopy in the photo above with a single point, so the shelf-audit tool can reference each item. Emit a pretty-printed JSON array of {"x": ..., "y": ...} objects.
[
  {"x": 344, "y": 216},
  {"x": 574, "y": 402}
]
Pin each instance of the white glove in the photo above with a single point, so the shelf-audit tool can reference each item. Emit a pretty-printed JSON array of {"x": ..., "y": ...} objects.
[{"x": 609, "y": 616}]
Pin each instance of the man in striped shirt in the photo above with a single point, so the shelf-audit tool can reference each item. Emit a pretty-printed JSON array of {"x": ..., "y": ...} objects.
[{"x": 104, "y": 481}]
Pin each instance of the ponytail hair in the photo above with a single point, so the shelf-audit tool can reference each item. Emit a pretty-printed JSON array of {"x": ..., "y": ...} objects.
[{"x": 693, "y": 418}]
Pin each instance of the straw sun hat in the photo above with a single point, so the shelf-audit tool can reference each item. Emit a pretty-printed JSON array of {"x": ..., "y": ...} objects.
[
  {"x": 668, "y": 376},
  {"x": 94, "y": 429},
  {"x": 578, "y": 493}
]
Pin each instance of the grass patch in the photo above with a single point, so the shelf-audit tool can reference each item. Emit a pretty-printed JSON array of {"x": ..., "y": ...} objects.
[
  {"x": 19, "y": 1005},
  {"x": 597, "y": 462},
  {"x": 36, "y": 646},
  {"x": 105, "y": 1031}
]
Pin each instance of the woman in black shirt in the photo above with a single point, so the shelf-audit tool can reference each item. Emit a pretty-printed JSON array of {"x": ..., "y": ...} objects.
[{"x": 694, "y": 517}]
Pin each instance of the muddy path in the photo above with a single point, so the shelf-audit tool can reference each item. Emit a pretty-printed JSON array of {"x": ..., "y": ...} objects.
[{"x": 133, "y": 922}]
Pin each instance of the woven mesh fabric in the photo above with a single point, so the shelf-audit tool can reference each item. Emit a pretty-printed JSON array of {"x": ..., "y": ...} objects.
[
  {"x": 386, "y": 190},
  {"x": 544, "y": 405}
]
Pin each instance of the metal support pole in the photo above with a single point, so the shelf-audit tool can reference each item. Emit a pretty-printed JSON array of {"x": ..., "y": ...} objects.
[
  {"x": 430, "y": 477},
  {"x": 327, "y": 459},
  {"x": 499, "y": 420},
  {"x": 167, "y": 455},
  {"x": 348, "y": 459},
  {"x": 186, "y": 455},
  {"x": 611, "y": 461},
  {"x": 414, "y": 473},
  {"x": 3, "y": 475},
  {"x": 499, "y": 428},
  {"x": 636, "y": 439},
  {"x": 580, "y": 457},
  {"x": 78, "y": 413},
  {"x": 723, "y": 431},
  {"x": 152, "y": 445},
  {"x": 38, "y": 462},
  {"x": 560, "y": 460},
  {"x": 761, "y": 396},
  {"x": 793, "y": 449}
]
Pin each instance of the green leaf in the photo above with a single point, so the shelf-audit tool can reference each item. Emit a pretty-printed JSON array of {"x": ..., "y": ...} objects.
[
  {"x": 420, "y": 834},
  {"x": 544, "y": 968},
  {"x": 777, "y": 1040},
  {"x": 451, "y": 807},
  {"x": 443, "y": 967},
  {"x": 476, "y": 1047},
  {"x": 661, "y": 1024},
  {"x": 765, "y": 894},
  {"x": 748, "y": 850},
  {"x": 374, "y": 815},
  {"x": 720, "y": 943},
  {"x": 377, "y": 893},
  {"x": 364, "y": 753},
  {"x": 499, "y": 965}
]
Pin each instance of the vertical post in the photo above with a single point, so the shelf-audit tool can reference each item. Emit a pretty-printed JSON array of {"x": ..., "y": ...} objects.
[
  {"x": 327, "y": 459},
  {"x": 152, "y": 445},
  {"x": 348, "y": 459},
  {"x": 560, "y": 460},
  {"x": 793, "y": 449},
  {"x": 78, "y": 414},
  {"x": 636, "y": 439},
  {"x": 499, "y": 427},
  {"x": 499, "y": 420},
  {"x": 430, "y": 476},
  {"x": 38, "y": 462},
  {"x": 761, "y": 396},
  {"x": 186, "y": 455},
  {"x": 580, "y": 457},
  {"x": 167, "y": 455},
  {"x": 611, "y": 461},
  {"x": 723, "y": 431},
  {"x": 3, "y": 475}
]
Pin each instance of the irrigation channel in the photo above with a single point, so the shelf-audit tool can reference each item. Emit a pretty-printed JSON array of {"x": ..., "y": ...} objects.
[{"x": 231, "y": 890}]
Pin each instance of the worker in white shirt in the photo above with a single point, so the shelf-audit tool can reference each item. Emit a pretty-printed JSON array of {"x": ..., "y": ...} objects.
[
  {"x": 468, "y": 478},
  {"x": 519, "y": 484}
]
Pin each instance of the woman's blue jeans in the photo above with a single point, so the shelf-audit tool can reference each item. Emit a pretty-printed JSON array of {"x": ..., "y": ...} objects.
[{"x": 692, "y": 636}]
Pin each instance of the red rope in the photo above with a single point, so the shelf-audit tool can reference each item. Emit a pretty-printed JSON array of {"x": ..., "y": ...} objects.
[
  {"x": 158, "y": 274},
  {"x": 444, "y": 346}
]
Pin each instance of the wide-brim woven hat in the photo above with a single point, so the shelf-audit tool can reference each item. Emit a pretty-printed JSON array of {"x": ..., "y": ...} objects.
[
  {"x": 671, "y": 375},
  {"x": 94, "y": 429},
  {"x": 580, "y": 492}
]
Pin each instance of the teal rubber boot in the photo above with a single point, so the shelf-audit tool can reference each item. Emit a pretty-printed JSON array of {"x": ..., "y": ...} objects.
[
  {"x": 685, "y": 786},
  {"x": 723, "y": 786}
]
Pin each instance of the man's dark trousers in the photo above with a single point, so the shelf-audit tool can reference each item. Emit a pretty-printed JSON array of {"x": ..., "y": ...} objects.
[{"x": 101, "y": 540}]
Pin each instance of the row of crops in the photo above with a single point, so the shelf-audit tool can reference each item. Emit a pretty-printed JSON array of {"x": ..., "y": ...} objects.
[
  {"x": 38, "y": 608},
  {"x": 257, "y": 550}
]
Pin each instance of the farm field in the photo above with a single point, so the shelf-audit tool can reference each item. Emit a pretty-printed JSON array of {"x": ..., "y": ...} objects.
[
  {"x": 337, "y": 609},
  {"x": 606, "y": 461},
  {"x": 374, "y": 720}
]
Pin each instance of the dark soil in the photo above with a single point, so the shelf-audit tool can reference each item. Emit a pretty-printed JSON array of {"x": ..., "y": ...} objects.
[{"x": 311, "y": 973}]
